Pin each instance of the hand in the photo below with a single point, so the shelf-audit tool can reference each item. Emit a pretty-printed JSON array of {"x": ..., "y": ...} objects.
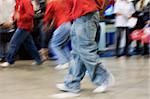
[
  {"x": 16, "y": 16},
  {"x": 130, "y": 17},
  {"x": 118, "y": 14},
  {"x": 1, "y": 24},
  {"x": 7, "y": 25},
  {"x": 148, "y": 22}
]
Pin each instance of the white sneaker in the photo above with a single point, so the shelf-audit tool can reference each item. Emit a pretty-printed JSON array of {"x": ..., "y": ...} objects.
[
  {"x": 65, "y": 95},
  {"x": 36, "y": 63},
  {"x": 104, "y": 87},
  {"x": 101, "y": 89},
  {"x": 86, "y": 73},
  {"x": 61, "y": 67},
  {"x": 5, "y": 64},
  {"x": 62, "y": 87}
]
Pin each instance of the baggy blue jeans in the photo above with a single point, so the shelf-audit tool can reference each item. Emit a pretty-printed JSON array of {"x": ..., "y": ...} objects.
[
  {"x": 20, "y": 37},
  {"x": 84, "y": 52},
  {"x": 59, "y": 41}
]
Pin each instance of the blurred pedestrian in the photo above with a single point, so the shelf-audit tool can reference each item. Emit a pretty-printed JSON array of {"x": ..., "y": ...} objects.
[
  {"x": 84, "y": 35},
  {"x": 23, "y": 15},
  {"x": 57, "y": 14}
]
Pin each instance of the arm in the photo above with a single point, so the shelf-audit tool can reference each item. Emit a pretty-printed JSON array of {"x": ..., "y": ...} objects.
[
  {"x": 48, "y": 14},
  {"x": 132, "y": 11},
  {"x": 116, "y": 9},
  {"x": 48, "y": 19},
  {"x": 29, "y": 11}
]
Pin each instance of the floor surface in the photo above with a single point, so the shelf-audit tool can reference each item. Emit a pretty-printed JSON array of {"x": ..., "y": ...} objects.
[{"x": 23, "y": 81}]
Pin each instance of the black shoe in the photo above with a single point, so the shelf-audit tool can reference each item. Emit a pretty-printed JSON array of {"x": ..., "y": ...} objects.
[
  {"x": 145, "y": 53},
  {"x": 137, "y": 51},
  {"x": 2, "y": 59},
  {"x": 128, "y": 55},
  {"x": 119, "y": 55}
]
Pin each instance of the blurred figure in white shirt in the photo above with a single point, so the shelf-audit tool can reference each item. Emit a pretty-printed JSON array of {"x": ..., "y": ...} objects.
[
  {"x": 123, "y": 10},
  {"x": 6, "y": 23}
]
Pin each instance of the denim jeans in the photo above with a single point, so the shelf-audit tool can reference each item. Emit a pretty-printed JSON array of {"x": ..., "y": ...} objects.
[
  {"x": 84, "y": 52},
  {"x": 24, "y": 37},
  {"x": 59, "y": 41},
  {"x": 3, "y": 45}
]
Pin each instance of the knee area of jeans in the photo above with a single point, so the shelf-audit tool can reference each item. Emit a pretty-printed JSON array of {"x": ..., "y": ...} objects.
[
  {"x": 12, "y": 45},
  {"x": 53, "y": 46}
]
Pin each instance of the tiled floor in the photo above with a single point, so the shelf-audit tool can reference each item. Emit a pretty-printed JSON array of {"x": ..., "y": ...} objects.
[{"x": 24, "y": 81}]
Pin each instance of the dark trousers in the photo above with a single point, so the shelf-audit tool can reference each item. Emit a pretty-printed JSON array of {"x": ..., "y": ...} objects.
[
  {"x": 4, "y": 39},
  {"x": 3, "y": 49},
  {"x": 20, "y": 37},
  {"x": 119, "y": 33}
]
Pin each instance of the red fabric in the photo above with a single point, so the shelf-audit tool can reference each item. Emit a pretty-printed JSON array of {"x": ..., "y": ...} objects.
[
  {"x": 145, "y": 38},
  {"x": 100, "y": 3},
  {"x": 137, "y": 34},
  {"x": 81, "y": 7},
  {"x": 111, "y": 2},
  {"x": 58, "y": 10},
  {"x": 140, "y": 35},
  {"x": 26, "y": 12}
]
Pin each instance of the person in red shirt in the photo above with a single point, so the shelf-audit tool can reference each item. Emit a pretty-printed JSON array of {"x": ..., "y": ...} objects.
[
  {"x": 23, "y": 15},
  {"x": 58, "y": 11},
  {"x": 84, "y": 49}
]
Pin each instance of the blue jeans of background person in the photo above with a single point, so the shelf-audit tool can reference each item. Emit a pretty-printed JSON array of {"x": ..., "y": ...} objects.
[
  {"x": 59, "y": 41},
  {"x": 3, "y": 45},
  {"x": 43, "y": 36},
  {"x": 84, "y": 53},
  {"x": 24, "y": 37},
  {"x": 44, "y": 39}
]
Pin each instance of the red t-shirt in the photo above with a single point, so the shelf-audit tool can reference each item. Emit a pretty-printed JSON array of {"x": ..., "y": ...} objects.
[
  {"x": 58, "y": 10},
  {"x": 81, "y": 7},
  {"x": 26, "y": 12}
]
